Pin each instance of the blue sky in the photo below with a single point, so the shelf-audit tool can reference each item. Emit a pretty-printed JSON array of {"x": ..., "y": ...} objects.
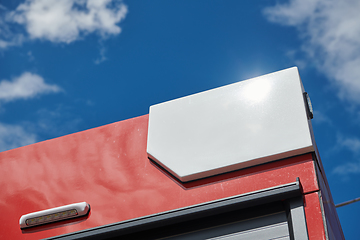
[{"x": 71, "y": 65}]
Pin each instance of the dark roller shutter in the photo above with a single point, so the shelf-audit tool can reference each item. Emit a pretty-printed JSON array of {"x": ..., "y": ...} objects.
[{"x": 272, "y": 213}]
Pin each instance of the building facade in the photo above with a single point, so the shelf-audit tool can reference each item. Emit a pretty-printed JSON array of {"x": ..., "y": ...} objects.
[{"x": 236, "y": 162}]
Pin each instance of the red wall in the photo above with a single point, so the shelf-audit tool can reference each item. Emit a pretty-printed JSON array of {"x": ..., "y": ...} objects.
[{"x": 108, "y": 168}]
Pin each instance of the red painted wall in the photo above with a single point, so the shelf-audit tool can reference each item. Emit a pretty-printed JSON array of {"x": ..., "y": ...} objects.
[{"x": 108, "y": 168}]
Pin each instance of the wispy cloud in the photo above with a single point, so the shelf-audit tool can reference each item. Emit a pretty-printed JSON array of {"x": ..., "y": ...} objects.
[
  {"x": 12, "y": 136},
  {"x": 351, "y": 144},
  {"x": 102, "y": 57},
  {"x": 57, "y": 121},
  {"x": 345, "y": 169},
  {"x": 31, "y": 56},
  {"x": 68, "y": 20},
  {"x": 8, "y": 37},
  {"x": 331, "y": 33},
  {"x": 27, "y": 85},
  {"x": 321, "y": 118}
]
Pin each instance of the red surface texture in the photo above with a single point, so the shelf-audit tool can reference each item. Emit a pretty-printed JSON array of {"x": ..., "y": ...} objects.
[
  {"x": 313, "y": 216},
  {"x": 108, "y": 168}
]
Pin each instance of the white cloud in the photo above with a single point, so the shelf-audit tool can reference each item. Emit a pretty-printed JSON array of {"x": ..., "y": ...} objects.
[
  {"x": 27, "y": 85},
  {"x": 331, "y": 33},
  {"x": 68, "y": 20},
  {"x": 13, "y": 136}
]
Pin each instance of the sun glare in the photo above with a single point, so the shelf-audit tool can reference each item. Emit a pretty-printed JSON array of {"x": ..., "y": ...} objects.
[{"x": 256, "y": 91}]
